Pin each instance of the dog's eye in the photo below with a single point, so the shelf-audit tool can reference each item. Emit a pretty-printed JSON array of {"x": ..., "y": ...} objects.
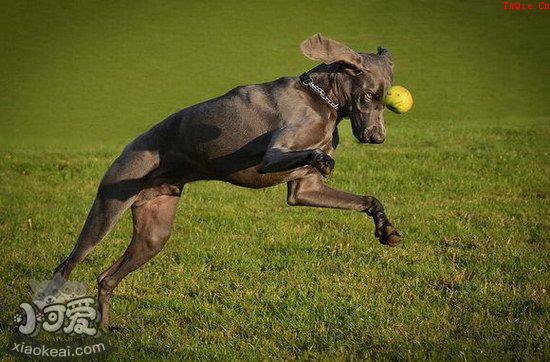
[{"x": 368, "y": 96}]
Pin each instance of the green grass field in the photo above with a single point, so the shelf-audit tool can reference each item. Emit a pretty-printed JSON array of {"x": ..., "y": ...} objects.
[{"x": 464, "y": 177}]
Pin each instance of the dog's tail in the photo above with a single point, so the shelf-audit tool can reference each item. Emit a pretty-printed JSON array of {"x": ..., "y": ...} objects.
[{"x": 118, "y": 190}]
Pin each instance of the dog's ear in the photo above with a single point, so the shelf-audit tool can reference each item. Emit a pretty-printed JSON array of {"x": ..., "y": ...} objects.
[
  {"x": 329, "y": 51},
  {"x": 383, "y": 52}
]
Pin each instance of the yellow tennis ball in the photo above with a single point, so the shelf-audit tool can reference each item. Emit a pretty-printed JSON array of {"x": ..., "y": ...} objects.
[{"x": 398, "y": 99}]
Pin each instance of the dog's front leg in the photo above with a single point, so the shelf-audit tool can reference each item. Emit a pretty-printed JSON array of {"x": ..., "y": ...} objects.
[
  {"x": 310, "y": 191},
  {"x": 279, "y": 160}
]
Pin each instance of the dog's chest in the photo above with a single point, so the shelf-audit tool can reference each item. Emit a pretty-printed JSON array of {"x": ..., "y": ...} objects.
[{"x": 329, "y": 143}]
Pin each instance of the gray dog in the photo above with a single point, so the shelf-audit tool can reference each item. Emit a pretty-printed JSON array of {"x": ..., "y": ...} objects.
[{"x": 253, "y": 136}]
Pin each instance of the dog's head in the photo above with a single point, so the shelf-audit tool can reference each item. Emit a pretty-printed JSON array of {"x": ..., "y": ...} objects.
[{"x": 362, "y": 82}]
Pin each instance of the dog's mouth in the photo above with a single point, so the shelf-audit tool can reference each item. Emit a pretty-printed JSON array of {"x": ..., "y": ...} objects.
[
  {"x": 362, "y": 138},
  {"x": 358, "y": 130},
  {"x": 372, "y": 135}
]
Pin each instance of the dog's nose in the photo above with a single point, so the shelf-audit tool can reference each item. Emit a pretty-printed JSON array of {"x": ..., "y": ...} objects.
[
  {"x": 377, "y": 138},
  {"x": 375, "y": 135}
]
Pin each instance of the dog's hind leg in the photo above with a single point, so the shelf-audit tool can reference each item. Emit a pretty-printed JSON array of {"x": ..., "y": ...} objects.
[{"x": 152, "y": 227}]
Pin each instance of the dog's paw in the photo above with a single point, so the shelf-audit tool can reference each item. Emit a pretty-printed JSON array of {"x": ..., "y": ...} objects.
[
  {"x": 323, "y": 163},
  {"x": 387, "y": 234}
]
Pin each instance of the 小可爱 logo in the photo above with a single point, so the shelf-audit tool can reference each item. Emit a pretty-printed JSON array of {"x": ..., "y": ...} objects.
[{"x": 66, "y": 312}]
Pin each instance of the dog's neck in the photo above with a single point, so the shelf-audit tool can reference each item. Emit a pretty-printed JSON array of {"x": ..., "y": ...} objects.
[{"x": 330, "y": 78}]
